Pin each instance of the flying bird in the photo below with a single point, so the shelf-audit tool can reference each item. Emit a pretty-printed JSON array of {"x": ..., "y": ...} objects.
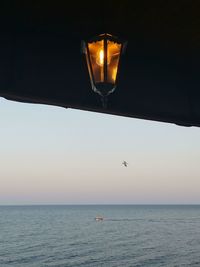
[{"x": 125, "y": 163}]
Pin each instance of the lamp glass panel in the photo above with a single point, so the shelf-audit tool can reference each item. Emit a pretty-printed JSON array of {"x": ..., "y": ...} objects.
[
  {"x": 113, "y": 55},
  {"x": 97, "y": 58}
]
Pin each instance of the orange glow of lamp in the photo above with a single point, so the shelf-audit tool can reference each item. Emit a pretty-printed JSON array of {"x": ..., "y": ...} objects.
[{"x": 103, "y": 54}]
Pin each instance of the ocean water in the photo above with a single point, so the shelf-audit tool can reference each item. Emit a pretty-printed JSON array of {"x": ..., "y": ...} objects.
[{"x": 68, "y": 236}]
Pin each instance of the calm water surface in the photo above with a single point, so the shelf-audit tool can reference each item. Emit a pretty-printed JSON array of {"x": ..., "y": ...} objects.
[{"x": 68, "y": 236}]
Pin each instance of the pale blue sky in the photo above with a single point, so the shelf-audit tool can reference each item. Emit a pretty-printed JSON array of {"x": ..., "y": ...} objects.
[{"x": 52, "y": 155}]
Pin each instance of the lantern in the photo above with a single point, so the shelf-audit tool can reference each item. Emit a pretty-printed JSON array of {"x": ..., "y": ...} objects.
[{"x": 103, "y": 54}]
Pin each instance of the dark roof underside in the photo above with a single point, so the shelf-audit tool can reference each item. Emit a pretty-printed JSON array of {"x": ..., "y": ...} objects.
[{"x": 41, "y": 62}]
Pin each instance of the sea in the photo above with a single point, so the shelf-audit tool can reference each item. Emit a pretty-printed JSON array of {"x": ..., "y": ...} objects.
[{"x": 129, "y": 236}]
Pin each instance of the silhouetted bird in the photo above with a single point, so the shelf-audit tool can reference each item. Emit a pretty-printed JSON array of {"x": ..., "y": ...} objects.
[{"x": 125, "y": 164}]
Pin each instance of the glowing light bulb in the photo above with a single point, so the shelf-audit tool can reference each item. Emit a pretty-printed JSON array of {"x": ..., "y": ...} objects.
[{"x": 100, "y": 57}]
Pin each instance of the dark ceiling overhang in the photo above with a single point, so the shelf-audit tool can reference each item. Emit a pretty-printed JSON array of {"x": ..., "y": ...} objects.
[{"x": 41, "y": 61}]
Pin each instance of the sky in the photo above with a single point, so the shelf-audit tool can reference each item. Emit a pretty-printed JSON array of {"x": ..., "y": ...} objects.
[{"x": 52, "y": 155}]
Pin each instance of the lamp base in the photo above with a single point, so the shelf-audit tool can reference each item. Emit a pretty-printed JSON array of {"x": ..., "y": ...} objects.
[
  {"x": 104, "y": 101},
  {"x": 104, "y": 89}
]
